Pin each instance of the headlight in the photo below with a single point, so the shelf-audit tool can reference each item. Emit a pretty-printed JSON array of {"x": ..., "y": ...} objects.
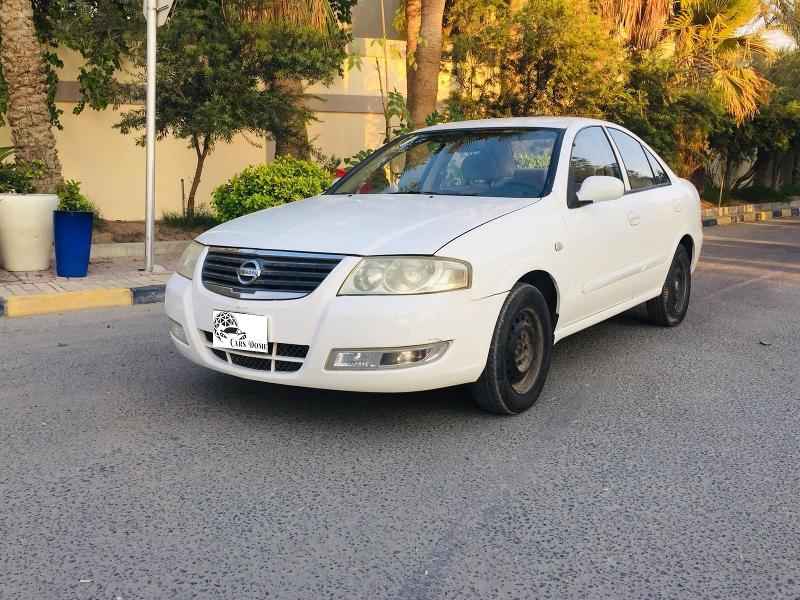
[
  {"x": 406, "y": 275},
  {"x": 188, "y": 260}
]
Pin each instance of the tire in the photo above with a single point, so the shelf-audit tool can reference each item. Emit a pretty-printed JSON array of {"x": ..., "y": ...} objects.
[
  {"x": 519, "y": 355},
  {"x": 668, "y": 309}
]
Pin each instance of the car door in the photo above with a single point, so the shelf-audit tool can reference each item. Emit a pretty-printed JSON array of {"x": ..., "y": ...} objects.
[
  {"x": 601, "y": 258},
  {"x": 652, "y": 209}
]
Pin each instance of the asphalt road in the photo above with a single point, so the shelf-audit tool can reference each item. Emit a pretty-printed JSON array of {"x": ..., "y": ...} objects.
[{"x": 657, "y": 463}]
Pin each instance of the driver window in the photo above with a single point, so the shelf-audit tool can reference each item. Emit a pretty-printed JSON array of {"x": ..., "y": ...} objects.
[{"x": 591, "y": 155}]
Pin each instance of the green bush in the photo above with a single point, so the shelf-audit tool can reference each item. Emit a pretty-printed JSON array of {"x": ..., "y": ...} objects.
[
  {"x": 256, "y": 188},
  {"x": 790, "y": 190},
  {"x": 70, "y": 198},
  {"x": 18, "y": 178},
  {"x": 757, "y": 194}
]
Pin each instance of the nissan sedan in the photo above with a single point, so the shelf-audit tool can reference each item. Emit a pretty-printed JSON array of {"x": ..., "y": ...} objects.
[{"x": 456, "y": 254}]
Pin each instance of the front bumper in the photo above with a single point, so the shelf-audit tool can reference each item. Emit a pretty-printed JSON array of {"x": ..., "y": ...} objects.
[{"x": 324, "y": 321}]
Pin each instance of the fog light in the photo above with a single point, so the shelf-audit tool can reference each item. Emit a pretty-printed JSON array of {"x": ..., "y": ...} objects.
[
  {"x": 176, "y": 329},
  {"x": 386, "y": 358}
]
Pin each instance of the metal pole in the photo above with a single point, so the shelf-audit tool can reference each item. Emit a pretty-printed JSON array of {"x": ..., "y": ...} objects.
[{"x": 150, "y": 192}]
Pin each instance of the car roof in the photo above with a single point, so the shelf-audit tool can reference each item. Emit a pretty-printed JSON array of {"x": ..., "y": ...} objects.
[{"x": 555, "y": 122}]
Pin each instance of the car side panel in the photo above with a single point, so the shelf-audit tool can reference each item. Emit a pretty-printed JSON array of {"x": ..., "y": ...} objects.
[
  {"x": 653, "y": 233},
  {"x": 504, "y": 250}
]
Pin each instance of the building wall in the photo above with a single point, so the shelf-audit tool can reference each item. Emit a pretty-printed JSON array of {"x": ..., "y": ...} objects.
[{"x": 111, "y": 167}]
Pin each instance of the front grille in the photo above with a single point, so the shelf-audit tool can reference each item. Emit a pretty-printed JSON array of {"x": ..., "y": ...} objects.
[
  {"x": 292, "y": 350},
  {"x": 283, "y": 275},
  {"x": 282, "y": 358},
  {"x": 251, "y": 362}
]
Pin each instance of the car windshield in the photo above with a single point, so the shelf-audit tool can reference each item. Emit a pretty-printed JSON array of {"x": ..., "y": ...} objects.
[{"x": 509, "y": 163}]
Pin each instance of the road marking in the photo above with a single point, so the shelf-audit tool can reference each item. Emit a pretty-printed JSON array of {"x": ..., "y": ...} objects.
[{"x": 711, "y": 240}]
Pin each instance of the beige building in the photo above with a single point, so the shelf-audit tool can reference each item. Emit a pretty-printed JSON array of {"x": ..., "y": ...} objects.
[{"x": 111, "y": 166}]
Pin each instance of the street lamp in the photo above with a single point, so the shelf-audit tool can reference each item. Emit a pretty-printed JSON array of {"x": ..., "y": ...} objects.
[{"x": 156, "y": 12}]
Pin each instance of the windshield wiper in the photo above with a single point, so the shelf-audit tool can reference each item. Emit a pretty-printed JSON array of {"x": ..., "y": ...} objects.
[{"x": 434, "y": 193}]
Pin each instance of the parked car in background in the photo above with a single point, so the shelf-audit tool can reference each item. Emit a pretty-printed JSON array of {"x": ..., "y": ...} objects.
[{"x": 457, "y": 254}]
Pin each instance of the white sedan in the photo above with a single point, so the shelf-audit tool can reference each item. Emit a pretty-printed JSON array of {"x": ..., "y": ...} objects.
[{"x": 457, "y": 254}]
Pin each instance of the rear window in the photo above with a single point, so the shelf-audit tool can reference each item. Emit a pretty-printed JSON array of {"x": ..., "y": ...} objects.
[{"x": 636, "y": 164}]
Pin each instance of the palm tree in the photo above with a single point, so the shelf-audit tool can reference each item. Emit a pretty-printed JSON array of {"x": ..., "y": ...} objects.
[
  {"x": 317, "y": 14},
  {"x": 25, "y": 77},
  {"x": 640, "y": 22},
  {"x": 717, "y": 46},
  {"x": 785, "y": 14},
  {"x": 413, "y": 22},
  {"x": 425, "y": 52}
]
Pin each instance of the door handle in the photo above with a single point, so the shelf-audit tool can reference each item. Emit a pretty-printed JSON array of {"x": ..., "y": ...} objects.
[{"x": 634, "y": 218}]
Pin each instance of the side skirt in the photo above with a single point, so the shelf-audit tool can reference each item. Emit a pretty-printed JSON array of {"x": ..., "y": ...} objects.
[{"x": 577, "y": 326}]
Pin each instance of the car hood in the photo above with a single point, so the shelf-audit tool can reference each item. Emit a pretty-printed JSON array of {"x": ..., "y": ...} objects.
[{"x": 368, "y": 224}]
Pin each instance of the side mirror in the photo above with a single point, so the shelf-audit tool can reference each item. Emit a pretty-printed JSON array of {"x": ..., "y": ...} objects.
[{"x": 599, "y": 188}]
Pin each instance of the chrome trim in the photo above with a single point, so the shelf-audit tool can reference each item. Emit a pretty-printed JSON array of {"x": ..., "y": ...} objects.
[
  {"x": 262, "y": 294},
  {"x": 282, "y": 253},
  {"x": 254, "y": 295}
]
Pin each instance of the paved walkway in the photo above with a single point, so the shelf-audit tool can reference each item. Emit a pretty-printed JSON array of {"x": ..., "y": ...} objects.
[{"x": 103, "y": 273}]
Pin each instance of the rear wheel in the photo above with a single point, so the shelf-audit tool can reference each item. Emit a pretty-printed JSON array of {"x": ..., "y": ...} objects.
[
  {"x": 519, "y": 355},
  {"x": 669, "y": 308}
]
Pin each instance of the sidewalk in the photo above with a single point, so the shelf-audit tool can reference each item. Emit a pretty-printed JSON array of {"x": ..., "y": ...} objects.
[{"x": 110, "y": 282}]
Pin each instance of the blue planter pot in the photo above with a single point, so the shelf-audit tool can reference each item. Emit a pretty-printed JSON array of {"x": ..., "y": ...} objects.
[{"x": 72, "y": 233}]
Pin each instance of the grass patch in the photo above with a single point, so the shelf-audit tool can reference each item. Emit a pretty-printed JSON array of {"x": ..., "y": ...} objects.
[{"x": 203, "y": 217}]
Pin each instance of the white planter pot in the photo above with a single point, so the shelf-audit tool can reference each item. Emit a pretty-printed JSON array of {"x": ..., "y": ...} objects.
[{"x": 26, "y": 231}]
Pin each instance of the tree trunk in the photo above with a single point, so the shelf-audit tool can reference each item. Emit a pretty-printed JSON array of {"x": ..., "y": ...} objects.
[
  {"x": 413, "y": 20},
  {"x": 796, "y": 169},
  {"x": 422, "y": 94},
  {"x": 202, "y": 153},
  {"x": 761, "y": 174},
  {"x": 26, "y": 84},
  {"x": 296, "y": 143}
]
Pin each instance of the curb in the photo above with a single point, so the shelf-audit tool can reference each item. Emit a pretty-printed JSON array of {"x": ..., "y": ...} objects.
[
  {"x": 38, "y": 304},
  {"x": 749, "y": 217}
]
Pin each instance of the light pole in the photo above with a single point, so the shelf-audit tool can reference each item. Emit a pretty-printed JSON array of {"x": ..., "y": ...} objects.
[{"x": 156, "y": 13}]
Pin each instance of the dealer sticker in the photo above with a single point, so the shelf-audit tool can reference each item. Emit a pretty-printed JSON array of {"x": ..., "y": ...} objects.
[{"x": 241, "y": 331}]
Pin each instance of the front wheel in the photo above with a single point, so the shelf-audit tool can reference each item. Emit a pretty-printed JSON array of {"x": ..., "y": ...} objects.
[
  {"x": 669, "y": 308},
  {"x": 519, "y": 355}
]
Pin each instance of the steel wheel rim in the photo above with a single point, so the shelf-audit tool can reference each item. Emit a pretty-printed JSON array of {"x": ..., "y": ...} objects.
[
  {"x": 524, "y": 351},
  {"x": 678, "y": 287}
]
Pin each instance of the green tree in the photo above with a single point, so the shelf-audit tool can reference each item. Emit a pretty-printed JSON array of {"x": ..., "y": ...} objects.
[
  {"x": 30, "y": 33},
  {"x": 329, "y": 19},
  {"x": 675, "y": 120},
  {"x": 548, "y": 57},
  {"x": 717, "y": 48},
  {"x": 101, "y": 31},
  {"x": 769, "y": 136},
  {"x": 25, "y": 92},
  {"x": 216, "y": 72}
]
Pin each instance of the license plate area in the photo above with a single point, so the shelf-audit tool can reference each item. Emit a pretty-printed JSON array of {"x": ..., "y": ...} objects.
[{"x": 241, "y": 331}]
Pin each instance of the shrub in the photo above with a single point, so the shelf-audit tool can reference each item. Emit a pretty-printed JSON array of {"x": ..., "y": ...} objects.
[
  {"x": 18, "y": 178},
  {"x": 757, "y": 194},
  {"x": 203, "y": 217},
  {"x": 255, "y": 188},
  {"x": 790, "y": 190},
  {"x": 70, "y": 198}
]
